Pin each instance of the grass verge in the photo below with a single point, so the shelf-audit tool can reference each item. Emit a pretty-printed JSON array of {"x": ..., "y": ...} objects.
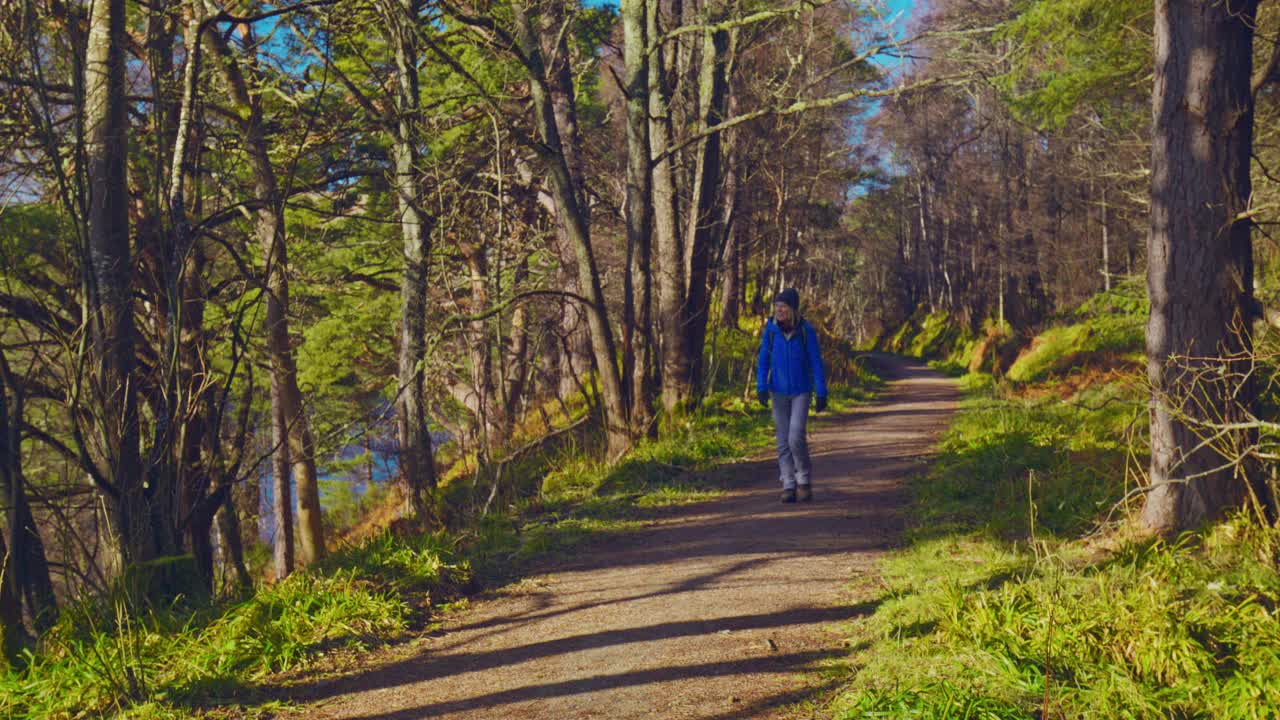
[{"x": 1007, "y": 604}]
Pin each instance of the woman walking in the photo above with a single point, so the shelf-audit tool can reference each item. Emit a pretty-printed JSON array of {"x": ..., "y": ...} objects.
[{"x": 788, "y": 371}]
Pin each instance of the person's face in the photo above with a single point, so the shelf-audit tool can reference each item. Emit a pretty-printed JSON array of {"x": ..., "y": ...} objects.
[{"x": 783, "y": 315}]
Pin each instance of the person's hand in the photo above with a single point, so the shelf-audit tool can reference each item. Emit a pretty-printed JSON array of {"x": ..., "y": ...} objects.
[
  {"x": 822, "y": 403},
  {"x": 763, "y": 397}
]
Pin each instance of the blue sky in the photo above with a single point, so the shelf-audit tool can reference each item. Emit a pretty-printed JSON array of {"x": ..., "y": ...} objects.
[
  {"x": 900, "y": 6},
  {"x": 900, "y": 13},
  {"x": 894, "y": 7},
  {"x": 897, "y": 11}
]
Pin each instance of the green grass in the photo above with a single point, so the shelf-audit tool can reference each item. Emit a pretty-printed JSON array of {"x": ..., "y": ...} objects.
[
  {"x": 933, "y": 336},
  {"x": 1108, "y": 328},
  {"x": 1004, "y": 455},
  {"x": 101, "y": 660},
  {"x": 1001, "y": 594},
  {"x": 1105, "y": 331},
  {"x": 1062, "y": 349}
]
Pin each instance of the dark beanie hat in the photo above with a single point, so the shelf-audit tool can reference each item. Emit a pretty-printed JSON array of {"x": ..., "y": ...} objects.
[{"x": 791, "y": 297}]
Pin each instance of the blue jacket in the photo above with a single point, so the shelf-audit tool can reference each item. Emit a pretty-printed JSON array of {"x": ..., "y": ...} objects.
[{"x": 790, "y": 367}]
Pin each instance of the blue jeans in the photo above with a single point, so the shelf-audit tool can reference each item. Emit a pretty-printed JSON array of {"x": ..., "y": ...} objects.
[{"x": 790, "y": 415}]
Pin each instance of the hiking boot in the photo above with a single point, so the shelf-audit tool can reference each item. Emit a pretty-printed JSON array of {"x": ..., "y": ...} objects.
[
  {"x": 806, "y": 493},
  {"x": 789, "y": 495}
]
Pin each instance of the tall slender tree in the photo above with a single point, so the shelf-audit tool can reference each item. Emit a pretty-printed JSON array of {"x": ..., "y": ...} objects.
[
  {"x": 574, "y": 220},
  {"x": 667, "y": 240},
  {"x": 639, "y": 215},
  {"x": 706, "y": 221},
  {"x": 294, "y": 448},
  {"x": 109, "y": 295},
  {"x": 417, "y": 464}
]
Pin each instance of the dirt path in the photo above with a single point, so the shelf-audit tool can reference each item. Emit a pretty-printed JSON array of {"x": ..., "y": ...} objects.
[{"x": 716, "y": 611}]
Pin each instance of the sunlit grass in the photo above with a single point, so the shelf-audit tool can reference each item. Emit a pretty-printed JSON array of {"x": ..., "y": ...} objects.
[
  {"x": 1006, "y": 606},
  {"x": 101, "y": 660}
]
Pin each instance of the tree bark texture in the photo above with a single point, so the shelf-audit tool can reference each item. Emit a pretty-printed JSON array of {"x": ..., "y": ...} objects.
[
  {"x": 639, "y": 215},
  {"x": 111, "y": 324},
  {"x": 232, "y": 547},
  {"x": 669, "y": 244},
  {"x": 1200, "y": 267},
  {"x": 417, "y": 465},
  {"x": 705, "y": 221},
  {"x": 576, "y": 360},
  {"x": 282, "y": 545},
  {"x": 731, "y": 294}
]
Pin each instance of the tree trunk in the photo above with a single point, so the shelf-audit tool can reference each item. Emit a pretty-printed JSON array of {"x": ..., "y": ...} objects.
[
  {"x": 284, "y": 369},
  {"x": 193, "y": 413},
  {"x": 28, "y": 567},
  {"x": 925, "y": 257},
  {"x": 731, "y": 297},
  {"x": 164, "y": 247},
  {"x": 576, "y": 359},
  {"x": 946, "y": 262},
  {"x": 484, "y": 403},
  {"x": 705, "y": 222},
  {"x": 232, "y": 546},
  {"x": 13, "y": 635},
  {"x": 288, "y": 414},
  {"x": 281, "y": 487},
  {"x": 1106, "y": 243},
  {"x": 417, "y": 464},
  {"x": 516, "y": 382},
  {"x": 110, "y": 298},
  {"x": 1200, "y": 257},
  {"x": 574, "y": 221},
  {"x": 200, "y": 540},
  {"x": 673, "y": 339},
  {"x": 639, "y": 216}
]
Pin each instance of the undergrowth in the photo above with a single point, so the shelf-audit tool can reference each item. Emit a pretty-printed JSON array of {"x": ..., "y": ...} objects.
[
  {"x": 1004, "y": 454},
  {"x": 1016, "y": 600},
  {"x": 103, "y": 659}
]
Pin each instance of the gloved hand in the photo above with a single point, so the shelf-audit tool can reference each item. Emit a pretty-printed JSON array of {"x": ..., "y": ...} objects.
[
  {"x": 822, "y": 403},
  {"x": 763, "y": 397}
]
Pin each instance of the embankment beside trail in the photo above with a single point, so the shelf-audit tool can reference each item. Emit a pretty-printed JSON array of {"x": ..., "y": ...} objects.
[{"x": 1101, "y": 335}]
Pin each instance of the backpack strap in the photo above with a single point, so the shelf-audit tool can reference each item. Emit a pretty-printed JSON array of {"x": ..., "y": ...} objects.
[
  {"x": 769, "y": 330},
  {"x": 804, "y": 343}
]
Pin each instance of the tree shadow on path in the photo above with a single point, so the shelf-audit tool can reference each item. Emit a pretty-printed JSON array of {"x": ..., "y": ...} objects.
[{"x": 709, "y": 612}]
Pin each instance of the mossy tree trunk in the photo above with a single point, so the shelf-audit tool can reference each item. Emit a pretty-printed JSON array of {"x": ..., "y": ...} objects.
[
  {"x": 673, "y": 339},
  {"x": 705, "y": 219},
  {"x": 574, "y": 221},
  {"x": 637, "y": 321}
]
